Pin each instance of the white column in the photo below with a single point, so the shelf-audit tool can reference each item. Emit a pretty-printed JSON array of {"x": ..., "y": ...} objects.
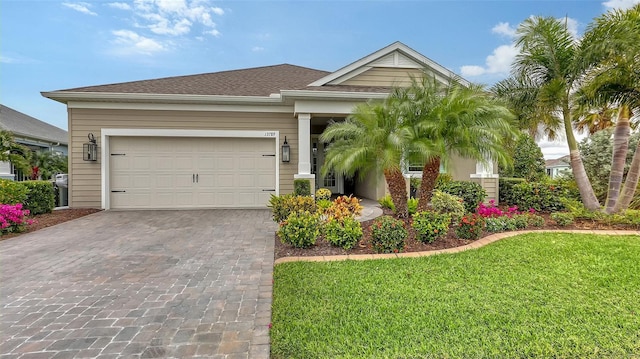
[{"x": 304, "y": 144}]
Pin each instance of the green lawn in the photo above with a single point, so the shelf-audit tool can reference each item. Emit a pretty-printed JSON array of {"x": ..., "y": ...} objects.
[{"x": 535, "y": 295}]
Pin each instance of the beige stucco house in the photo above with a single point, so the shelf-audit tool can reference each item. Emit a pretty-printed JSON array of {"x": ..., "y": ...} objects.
[{"x": 215, "y": 140}]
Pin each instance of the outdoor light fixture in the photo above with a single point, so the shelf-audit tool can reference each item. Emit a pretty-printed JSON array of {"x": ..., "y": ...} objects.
[
  {"x": 286, "y": 151},
  {"x": 90, "y": 149},
  {"x": 315, "y": 148}
]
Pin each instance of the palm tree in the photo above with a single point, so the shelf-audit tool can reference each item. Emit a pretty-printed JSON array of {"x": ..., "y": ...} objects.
[
  {"x": 546, "y": 66},
  {"x": 610, "y": 53},
  {"x": 442, "y": 120},
  {"x": 368, "y": 142},
  {"x": 13, "y": 152}
]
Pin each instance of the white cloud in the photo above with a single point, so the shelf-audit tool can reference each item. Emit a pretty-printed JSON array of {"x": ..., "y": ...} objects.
[
  {"x": 177, "y": 17},
  {"x": 572, "y": 26},
  {"x": 120, "y": 5},
  {"x": 82, "y": 7},
  {"x": 257, "y": 48},
  {"x": 132, "y": 43},
  {"x": 620, "y": 4},
  {"x": 505, "y": 29},
  {"x": 8, "y": 60},
  {"x": 498, "y": 63}
]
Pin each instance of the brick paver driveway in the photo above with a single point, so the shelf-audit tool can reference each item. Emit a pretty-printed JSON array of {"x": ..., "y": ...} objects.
[{"x": 140, "y": 284}]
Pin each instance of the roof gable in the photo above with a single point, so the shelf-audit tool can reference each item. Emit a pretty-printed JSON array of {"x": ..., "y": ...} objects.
[
  {"x": 22, "y": 125},
  {"x": 395, "y": 56}
]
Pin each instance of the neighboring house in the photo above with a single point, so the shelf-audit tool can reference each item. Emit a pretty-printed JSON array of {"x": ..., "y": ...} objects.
[
  {"x": 33, "y": 133},
  {"x": 558, "y": 166},
  {"x": 216, "y": 139}
]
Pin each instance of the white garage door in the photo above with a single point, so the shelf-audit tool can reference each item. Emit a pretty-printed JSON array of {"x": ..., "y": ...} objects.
[{"x": 185, "y": 172}]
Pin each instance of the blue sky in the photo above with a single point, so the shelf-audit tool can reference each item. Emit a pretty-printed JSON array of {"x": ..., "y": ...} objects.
[{"x": 50, "y": 45}]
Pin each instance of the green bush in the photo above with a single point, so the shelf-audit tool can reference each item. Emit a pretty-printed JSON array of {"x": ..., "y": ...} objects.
[
  {"x": 387, "y": 202},
  {"x": 542, "y": 197},
  {"x": 562, "y": 218},
  {"x": 443, "y": 179},
  {"x": 431, "y": 225},
  {"x": 471, "y": 193},
  {"x": 344, "y": 206},
  {"x": 388, "y": 235},
  {"x": 520, "y": 221},
  {"x": 302, "y": 187},
  {"x": 578, "y": 210},
  {"x": 323, "y": 205},
  {"x": 12, "y": 192},
  {"x": 300, "y": 230},
  {"x": 323, "y": 194},
  {"x": 470, "y": 226},
  {"x": 505, "y": 189},
  {"x": 536, "y": 220},
  {"x": 447, "y": 203},
  {"x": 283, "y": 206},
  {"x": 343, "y": 233},
  {"x": 412, "y": 205},
  {"x": 499, "y": 224},
  {"x": 40, "y": 197}
]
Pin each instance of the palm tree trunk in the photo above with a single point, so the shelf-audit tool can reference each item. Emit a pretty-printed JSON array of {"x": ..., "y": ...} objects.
[
  {"x": 430, "y": 173},
  {"x": 398, "y": 190},
  {"x": 630, "y": 183},
  {"x": 620, "y": 147},
  {"x": 587, "y": 195}
]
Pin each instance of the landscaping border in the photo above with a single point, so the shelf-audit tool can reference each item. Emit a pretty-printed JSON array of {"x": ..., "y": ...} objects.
[{"x": 476, "y": 244}]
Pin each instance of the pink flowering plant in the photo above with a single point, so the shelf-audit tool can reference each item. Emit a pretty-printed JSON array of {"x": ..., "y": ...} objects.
[
  {"x": 13, "y": 218},
  {"x": 498, "y": 220}
]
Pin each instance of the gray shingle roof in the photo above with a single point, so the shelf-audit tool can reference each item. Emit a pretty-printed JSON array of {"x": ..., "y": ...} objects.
[
  {"x": 258, "y": 81},
  {"x": 22, "y": 125}
]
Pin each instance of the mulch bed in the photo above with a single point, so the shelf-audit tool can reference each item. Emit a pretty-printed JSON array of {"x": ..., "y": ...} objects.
[
  {"x": 51, "y": 219},
  {"x": 324, "y": 248}
]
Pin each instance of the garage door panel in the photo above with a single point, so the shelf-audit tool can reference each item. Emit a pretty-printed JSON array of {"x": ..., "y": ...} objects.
[{"x": 159, "y": 172}]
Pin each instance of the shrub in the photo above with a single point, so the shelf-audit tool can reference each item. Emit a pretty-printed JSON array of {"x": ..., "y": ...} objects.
[
  {"x": 505, "y": 189},
  {"x": 323, "y": 194},
  {"x": 470, "y": 226},
  {"x": 344, "y": 206},
  {"x": 12, "y": 192},
  {"x": 302, "y": 187},
  {"x": 471, "y": 193},
  {"x": 520, "y": 221},
  {"x": 447, "y": 203},
  {"x": 578, "y": 210},
  {"x": 542, "y": 197},
  {"x": 343, "y": 233},
  {"x": 528, "y": 161},
  {"x": 283, "y": 206},
  {"x": 431, "y": 225},
  {"x": 387, "y": 202},
  {"x": 40, "y": 197},
  {"x": 300, "y": 229},
  {"x": 412, "y": 205},
  {"x": 499, "y": 224},
  {"x": 536, "y": 220},
  {"x": 492, "y": 210},
  {"x": 562, "y": 218},
  {"x": 443, "y": 179},
  {"x": 13, "y": 218},
  {"x": 388, "y": 235},
  {"x": 323, "y": 204}
]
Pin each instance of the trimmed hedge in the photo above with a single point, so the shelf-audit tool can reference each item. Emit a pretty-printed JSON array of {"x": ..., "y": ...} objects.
[
  {"x": 36, "y": 196},
  {"x": 12, "y": 192},
  {"x": 302, "y": 187},
  {"x": 471, "y": 193},
  {"x": 40, "y": 197},
  {"x": 505, "y": 189}
]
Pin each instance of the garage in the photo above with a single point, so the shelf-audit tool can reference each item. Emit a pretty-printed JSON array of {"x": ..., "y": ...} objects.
[{"x": 191, "y": 172}]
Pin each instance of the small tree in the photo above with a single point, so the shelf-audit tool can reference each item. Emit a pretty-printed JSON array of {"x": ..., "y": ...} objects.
[
  {"x": 14, "y": 152},
  {"x": 528, "y": 161}
]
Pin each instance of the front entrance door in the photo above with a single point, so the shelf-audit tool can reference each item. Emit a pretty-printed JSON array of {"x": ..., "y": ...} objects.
[{"x": 332, "y": 181}]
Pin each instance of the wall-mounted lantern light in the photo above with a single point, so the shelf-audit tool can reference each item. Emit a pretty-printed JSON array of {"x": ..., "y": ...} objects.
[
  {"x": 315, "y": 148},
  {"x": 286, "y": 151},
  {"x": 90, "y": 149}
]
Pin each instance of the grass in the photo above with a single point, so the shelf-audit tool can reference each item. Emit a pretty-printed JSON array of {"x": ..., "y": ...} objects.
[{"x": 535, "y": 295}]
